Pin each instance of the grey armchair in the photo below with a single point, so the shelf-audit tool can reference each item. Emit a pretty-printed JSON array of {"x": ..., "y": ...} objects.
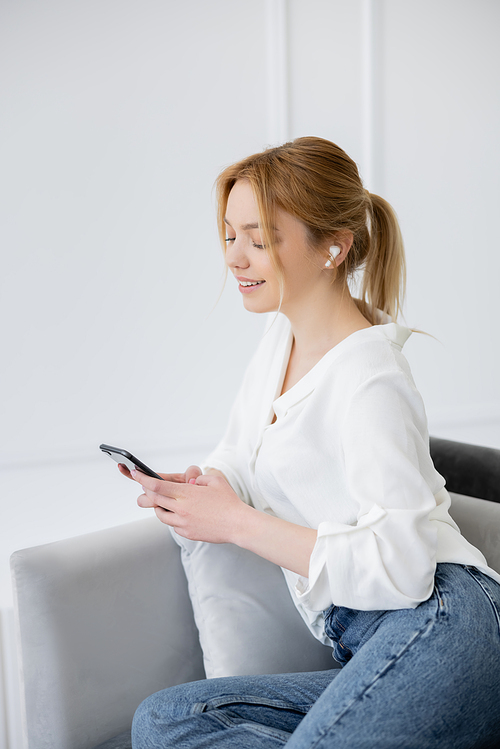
[{"x": 105, "y": 619}]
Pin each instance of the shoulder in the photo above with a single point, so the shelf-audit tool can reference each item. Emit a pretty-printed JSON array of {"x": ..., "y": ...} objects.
[
  {"x": 371, "y": 374},
  {"x": 385, "y": 389},
  {"x": 370, "y": 353}
]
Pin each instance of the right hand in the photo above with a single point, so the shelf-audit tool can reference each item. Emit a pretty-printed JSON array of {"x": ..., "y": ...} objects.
[{"x": 190, "y": 474}]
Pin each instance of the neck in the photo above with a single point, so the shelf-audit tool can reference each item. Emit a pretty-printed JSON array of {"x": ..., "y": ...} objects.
[{"x": 322, "y": 323}]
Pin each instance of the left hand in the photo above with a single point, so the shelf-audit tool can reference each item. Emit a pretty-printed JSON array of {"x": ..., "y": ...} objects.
[{"x": 206, "y": 510}]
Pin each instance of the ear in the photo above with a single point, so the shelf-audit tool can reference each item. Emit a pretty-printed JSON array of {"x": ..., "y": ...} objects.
[{"x": 337, "y": 249}]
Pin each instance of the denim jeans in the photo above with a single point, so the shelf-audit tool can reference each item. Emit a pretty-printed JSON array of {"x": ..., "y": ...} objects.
[{"x": 423, "y": 678}]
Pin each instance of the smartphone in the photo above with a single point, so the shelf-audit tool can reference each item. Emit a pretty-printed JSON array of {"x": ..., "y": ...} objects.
[{"x": 129, "y": 460}]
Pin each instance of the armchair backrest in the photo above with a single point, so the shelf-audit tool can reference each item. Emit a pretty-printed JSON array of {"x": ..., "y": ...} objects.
[{"x": 105, "y": 619}]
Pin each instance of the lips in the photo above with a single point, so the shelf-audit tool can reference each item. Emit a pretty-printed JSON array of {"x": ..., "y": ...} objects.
[
  {"x": 245, "y": 280},
  {"x": 247, "y": 285}
]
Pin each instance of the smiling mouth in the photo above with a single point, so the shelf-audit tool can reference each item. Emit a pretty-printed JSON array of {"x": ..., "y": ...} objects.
[{"x": 251, "y": 283}]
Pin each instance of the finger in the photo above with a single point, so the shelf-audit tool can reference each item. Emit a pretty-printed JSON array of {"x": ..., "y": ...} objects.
[
  {"x": 192, "y": 473},
  {"x": 145, "y": 501},
  {"x": 178, "y": 478},
  {"x": 148, "y": 500},
  {"x": 153, "y": 496},
  {"x": 206, "y": 480},
  {"x": 169, "y": 518},
  {"x": 162, "y": 488},
  {"x": 139, "y": 476},
  {"x": 124, "y": 470}
]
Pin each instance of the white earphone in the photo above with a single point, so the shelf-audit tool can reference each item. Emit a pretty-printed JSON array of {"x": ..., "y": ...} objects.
[{"x": 334, "y": 252}]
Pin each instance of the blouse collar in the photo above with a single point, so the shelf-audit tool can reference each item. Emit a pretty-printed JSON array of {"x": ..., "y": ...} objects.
[{"x": 396, "y": 334}]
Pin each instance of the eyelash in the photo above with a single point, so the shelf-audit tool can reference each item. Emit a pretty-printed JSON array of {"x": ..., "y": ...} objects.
[{"x": 258, "y": 246}]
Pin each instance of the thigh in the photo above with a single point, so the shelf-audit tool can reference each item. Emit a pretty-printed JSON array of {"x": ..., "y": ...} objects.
[
  {"x": 248, "y": 711},
  {"x": 426, "y": 677}
]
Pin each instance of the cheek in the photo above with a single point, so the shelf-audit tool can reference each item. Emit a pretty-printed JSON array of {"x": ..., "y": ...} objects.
[
  {"x": 266, "y": 269},
  {"x": 294, "y": 272}
]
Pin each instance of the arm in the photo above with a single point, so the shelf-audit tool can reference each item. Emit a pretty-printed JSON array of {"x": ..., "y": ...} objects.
[
  {"x": 209, "y": 510},
  {"x": 285, "y": 544},
  {"x": 386, "y": 558}
]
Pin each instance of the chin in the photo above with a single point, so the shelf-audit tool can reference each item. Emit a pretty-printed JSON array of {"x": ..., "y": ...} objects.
[{"x": 259, "y": 307}]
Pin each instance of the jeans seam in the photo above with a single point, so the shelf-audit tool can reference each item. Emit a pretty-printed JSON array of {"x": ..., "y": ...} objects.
[
  {"x": 258, "y": 728},
  {"x": 496, "y": 612},
  {"x": 441, "y": 598},
  {"x": 421, "y": 632},
  {"x": 226, "y": 720},
  {"x": 241, "y": 699},
  {"x": 339, "y": 623},
  {"x": 346, "y": 650}
]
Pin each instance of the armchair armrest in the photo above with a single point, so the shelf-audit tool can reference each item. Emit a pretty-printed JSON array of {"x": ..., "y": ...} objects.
[{"x": 104, "y": 620}]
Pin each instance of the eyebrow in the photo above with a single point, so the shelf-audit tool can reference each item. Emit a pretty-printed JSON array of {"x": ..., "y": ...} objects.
[{"x": 247, "y": 227}]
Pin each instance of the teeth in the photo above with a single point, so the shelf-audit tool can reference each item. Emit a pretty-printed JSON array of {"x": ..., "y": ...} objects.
[{"x": 250, "y": 283}]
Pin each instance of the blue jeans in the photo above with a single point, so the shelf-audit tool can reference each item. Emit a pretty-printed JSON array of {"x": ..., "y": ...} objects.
[{"x": 423, "y": 678}]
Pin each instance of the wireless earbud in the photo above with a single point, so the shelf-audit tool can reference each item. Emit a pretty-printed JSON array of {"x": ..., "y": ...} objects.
[{"x": 334, "y": 252}]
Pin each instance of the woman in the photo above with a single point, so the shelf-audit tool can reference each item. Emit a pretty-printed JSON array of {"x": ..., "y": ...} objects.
[{"x": 325, "y": 471}]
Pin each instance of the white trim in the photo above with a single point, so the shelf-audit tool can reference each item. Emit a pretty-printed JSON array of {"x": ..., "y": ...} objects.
[
  {"x": 12, "y": 736},
  {"x": 195, "y": 446},
  {"x": 473, "y": 414},
  {"x": 3, "y": 692},
  {"x": 371, "y": 93},
  {"x": 278, "y": 99},
  {"x": 478, "y": 424},
  {"x": 367, "y": 88}
]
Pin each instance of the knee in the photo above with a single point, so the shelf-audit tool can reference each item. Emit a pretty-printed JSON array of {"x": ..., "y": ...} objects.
[
  {"x": 157, "y": 716},
  {"x": 144, "y": 723}
]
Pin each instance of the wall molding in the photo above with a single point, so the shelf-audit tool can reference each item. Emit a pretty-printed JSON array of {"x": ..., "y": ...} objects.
[
  {"x": 372, "y": 94},
  {"x": 11, "y": 710},
  {"x": 478, "y": 424},
  {"x": 278, "y": 86},
  {"x": 197, "y": 444},
  {"x": 475, "y": 415}
]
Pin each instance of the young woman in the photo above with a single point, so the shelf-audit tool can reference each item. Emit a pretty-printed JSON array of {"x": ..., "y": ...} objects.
[{"x": 325, "y": 471}]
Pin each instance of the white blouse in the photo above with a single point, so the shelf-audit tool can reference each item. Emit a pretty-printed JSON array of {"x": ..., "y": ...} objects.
[{"x": 348, "y": 455}]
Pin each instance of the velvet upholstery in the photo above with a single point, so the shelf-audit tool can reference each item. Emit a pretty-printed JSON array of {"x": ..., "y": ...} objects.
[
  {"x": 245, "y": 615},
  {"x": 468, "y": 469},
  {"x": 106, "y": 618}
]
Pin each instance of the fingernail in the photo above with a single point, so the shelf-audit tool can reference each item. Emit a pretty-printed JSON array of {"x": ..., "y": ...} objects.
[
  {"x": 192, "y": 481},
  {"x": 133, "y": 473}
]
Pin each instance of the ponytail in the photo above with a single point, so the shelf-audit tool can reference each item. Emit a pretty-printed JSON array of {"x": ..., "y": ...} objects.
[{"x": 384, "y": 278}]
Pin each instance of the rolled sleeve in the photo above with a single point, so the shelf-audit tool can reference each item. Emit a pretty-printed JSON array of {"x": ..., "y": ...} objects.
[{"x": 387, "y": 559}]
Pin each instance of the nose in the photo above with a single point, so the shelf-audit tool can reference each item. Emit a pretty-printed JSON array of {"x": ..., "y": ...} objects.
[{"x": 235, "y": 255}]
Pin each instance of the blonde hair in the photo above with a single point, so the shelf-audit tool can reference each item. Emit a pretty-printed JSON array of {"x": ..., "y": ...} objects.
[{"x": 315, "y": 181}]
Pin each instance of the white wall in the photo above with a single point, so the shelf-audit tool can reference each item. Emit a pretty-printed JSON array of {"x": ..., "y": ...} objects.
[
  {"x": 441, "y": 125},
  {"x": 117, "y": 116},
  {"x": 410, "y": 89}
]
